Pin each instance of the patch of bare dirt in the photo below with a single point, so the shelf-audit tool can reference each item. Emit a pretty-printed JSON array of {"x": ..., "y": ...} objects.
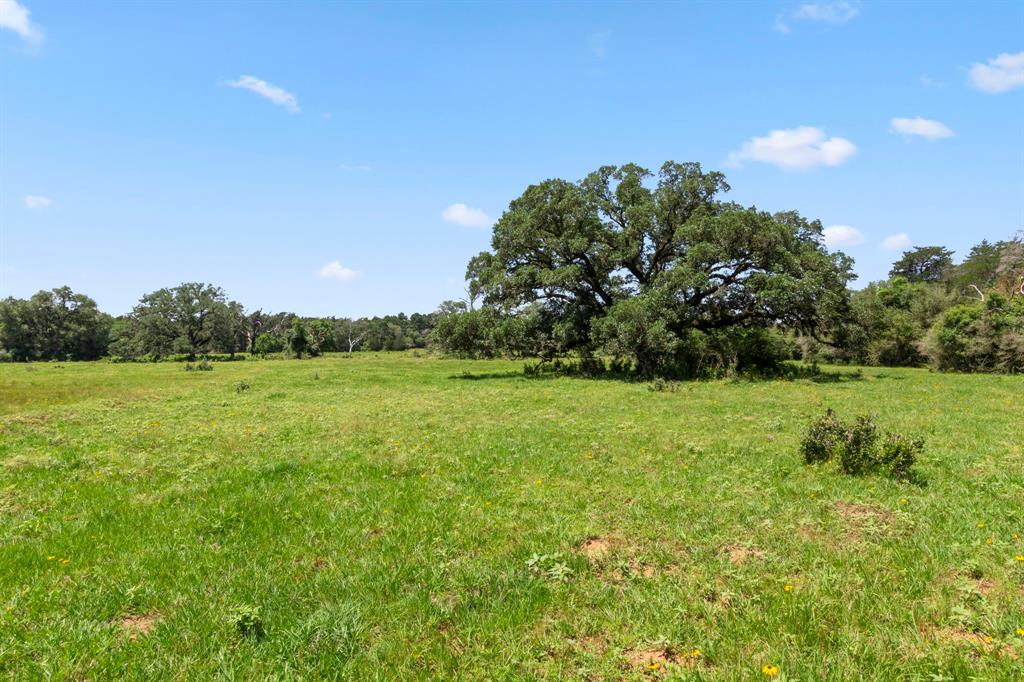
[
  {"x": 661, "y": 661},
  {"x": 136, "y": 625},
  {"x": 596, "y": 549},
  {"x": 739, "y": 555},
  {"x": 855, "y": 512}
]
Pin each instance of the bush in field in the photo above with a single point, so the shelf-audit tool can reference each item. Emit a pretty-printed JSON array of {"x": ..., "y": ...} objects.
[
  {"x": 823, "y": 439},
  {"x": 860, "y": 448}
]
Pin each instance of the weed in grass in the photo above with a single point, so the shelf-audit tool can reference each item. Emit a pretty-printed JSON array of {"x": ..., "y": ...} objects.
[{"x": 248, "y": 621}]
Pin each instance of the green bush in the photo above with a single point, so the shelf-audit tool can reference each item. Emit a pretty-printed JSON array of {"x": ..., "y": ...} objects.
[
  {"x": 860, "y": 448},
  {"x": 858, "y": 454},
  {"x": 823, "y": 439},
  {"x": 898, "y": 454}
]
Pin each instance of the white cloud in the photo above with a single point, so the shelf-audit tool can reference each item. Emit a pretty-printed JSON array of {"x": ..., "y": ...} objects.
[
  {"x": 835, "y": 13},
  {"x": 460, "y": 214},
  {"x": 896, "y": 242},
  {"x": 14, "y": 17},
  {"x": 795, "y": 149},
  {"x": 35, "y": 202},
  {"x": 842, "y": 235},
  {"x": 921, "y": 127},
  {"x": 335, "y": 270},
  {"x": 1001, "y": 74},
  {"x": 929, "y": 82},
  {"x": 277, "y": 95},
  {"x": 838, "y": 12}
]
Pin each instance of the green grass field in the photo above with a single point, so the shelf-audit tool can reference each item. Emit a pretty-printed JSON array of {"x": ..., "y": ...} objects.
[{"x": 397, "y": 517}]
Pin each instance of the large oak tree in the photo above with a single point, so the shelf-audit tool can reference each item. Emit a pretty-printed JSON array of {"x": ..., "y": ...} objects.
[{"x": 640, "y": 262}]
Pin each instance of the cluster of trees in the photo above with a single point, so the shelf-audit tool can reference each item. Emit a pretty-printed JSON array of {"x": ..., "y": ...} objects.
[
  {"x": 965, "y": 317},
  {"x": 655, "y": 270},
  {"x": 661, "y": 274},
  {"x": 188, "y": 320}
]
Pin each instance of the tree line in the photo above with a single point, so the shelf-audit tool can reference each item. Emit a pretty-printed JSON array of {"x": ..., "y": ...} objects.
[
  {"x": 655, "y": 272},
  {"x": 184, "y": 322}
]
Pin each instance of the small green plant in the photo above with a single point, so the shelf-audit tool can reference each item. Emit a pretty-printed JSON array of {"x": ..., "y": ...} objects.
[
  {"x": 248, "y": 622},
  {"x": 860, "y": 448},
  {"x": 242, "y": 387},
  {"x": 549, "y": 566}
]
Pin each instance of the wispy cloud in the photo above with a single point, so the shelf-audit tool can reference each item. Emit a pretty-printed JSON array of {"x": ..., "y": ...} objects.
[
  {"x": 36, "y": 202},
  {"x": 842, "y": 235},
  {"x": 929, "y": 82},
  {"x": 798, "y": 148},
  {"x": 896, "y": 242},
  {"x": 920, "y": 127},
  {"x": 460, "y": 214},
  {"x": 1000, "y": 74},
  {"x": 335, "y": 270},
  {"x": 834, "y": 13},
  {"x": 15, "y": 17},
  {"x": 278, "y": 96},
  {"x": 599, "y": 45}
]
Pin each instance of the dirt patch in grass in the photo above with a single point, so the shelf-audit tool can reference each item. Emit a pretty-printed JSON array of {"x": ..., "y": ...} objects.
[
  {"x": 596, "y": 549},
  {"x": 595, "y": 644},
  {"x": 136, "y": 625},
  {"x": 739, "y": 555},
  {"x": 855, "y": 512},
  {"x": 661, "y": 661},
  {"x": 859, "y": 520}
]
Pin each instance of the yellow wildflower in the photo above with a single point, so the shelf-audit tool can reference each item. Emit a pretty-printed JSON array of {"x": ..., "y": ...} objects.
[
  {"x": 770, "y": 670},
  {"x": 694, "y": 653},
  {"x": 788, "y": 588},
  {"x": 1019, "y": 557},
  {"x": 981, "y": 524},
  {"x": 1020, "y": 632}
]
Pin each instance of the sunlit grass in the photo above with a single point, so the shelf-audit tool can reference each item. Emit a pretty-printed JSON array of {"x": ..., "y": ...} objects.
[{"x": 396, "y": 517}]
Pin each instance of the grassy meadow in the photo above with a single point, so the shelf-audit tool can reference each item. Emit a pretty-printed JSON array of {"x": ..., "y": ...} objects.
[{"x": 387, "y": 516}]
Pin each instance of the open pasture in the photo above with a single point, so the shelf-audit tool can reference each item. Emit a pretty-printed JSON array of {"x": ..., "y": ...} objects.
[{"x": 386, "y": 516}]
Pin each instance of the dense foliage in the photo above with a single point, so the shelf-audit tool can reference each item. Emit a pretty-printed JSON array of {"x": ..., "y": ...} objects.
[
  {"x": 57, "y": 324},
  {"x": 653, "y": 269}
]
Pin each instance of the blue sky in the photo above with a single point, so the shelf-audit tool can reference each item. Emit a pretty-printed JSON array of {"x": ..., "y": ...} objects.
[{"x": 348, "y": 159}]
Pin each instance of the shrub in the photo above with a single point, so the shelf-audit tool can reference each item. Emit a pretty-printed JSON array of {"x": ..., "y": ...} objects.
[
  {"x": 823, "y": 439},
  {"x": 898, "y": 454},
  {"x": 241, "y": 387},
  {"x": 860, "y": 447},
  {"x": 858, "y": 453}
]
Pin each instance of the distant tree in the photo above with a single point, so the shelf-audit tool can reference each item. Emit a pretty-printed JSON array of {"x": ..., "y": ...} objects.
[
  {"x": 54, "y": 325},
  {"x": 321, "y": 335},
  {"x": 350, "y": 333},
  {"x": 267, "y": 343},
  {"x": 298, "y": 338},
  {"x": 923, "y": 264},
  {"x": 190, "y": 318}
]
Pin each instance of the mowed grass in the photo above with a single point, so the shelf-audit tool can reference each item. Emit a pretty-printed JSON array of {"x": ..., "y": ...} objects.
[{"x": 377, "y": 516}]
